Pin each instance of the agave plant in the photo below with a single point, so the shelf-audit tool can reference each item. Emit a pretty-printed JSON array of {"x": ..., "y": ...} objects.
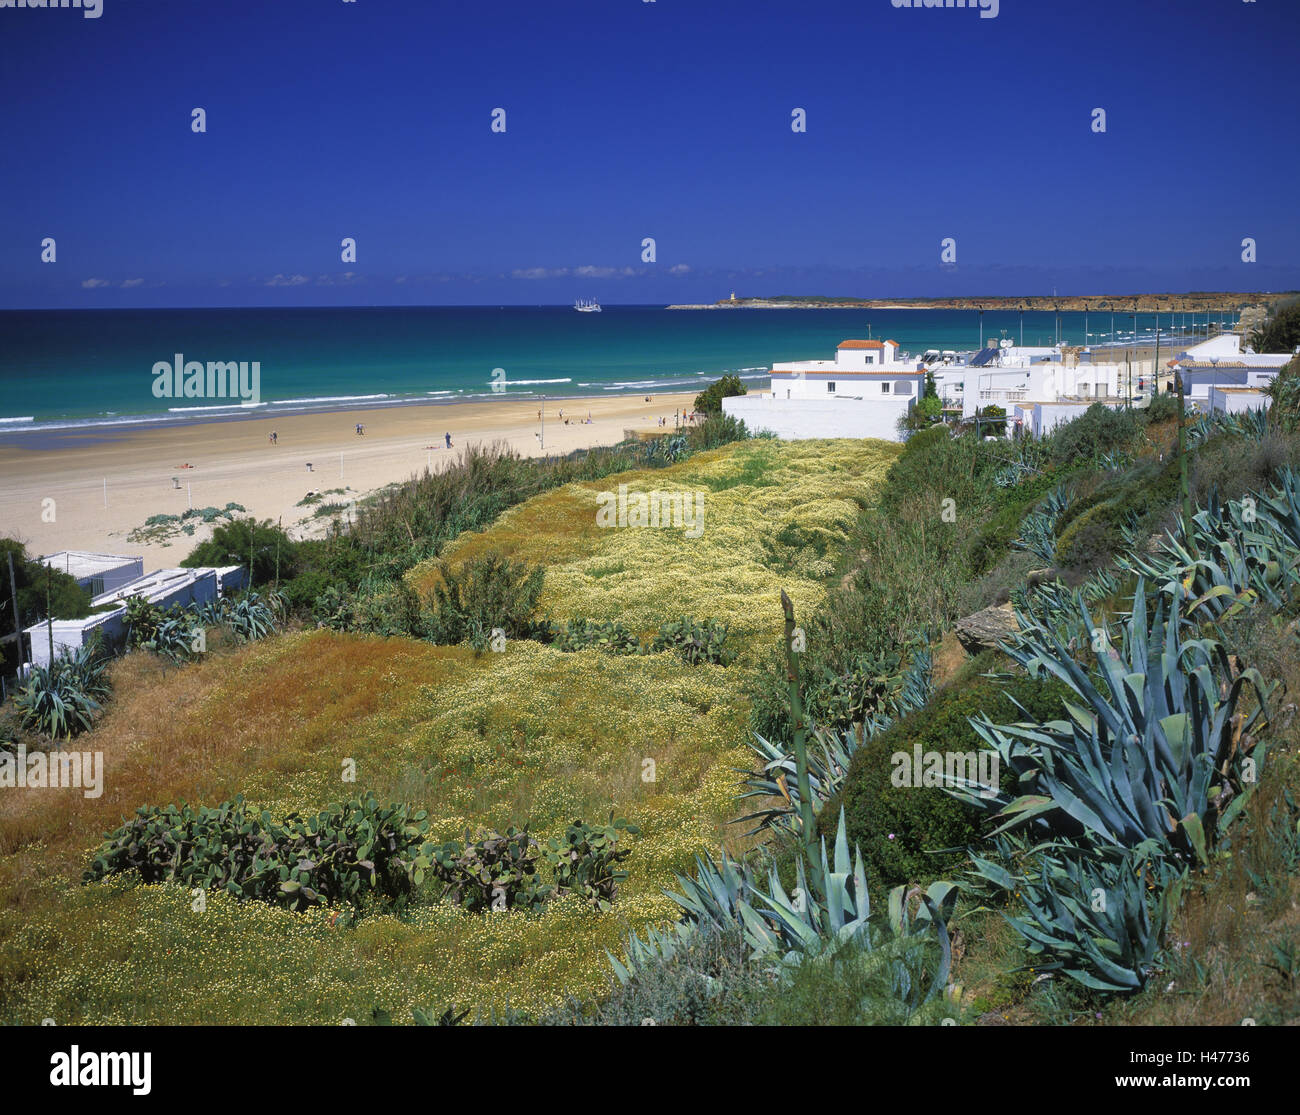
[
  {"x": 1231, "y": 558},
  {"x": 61, "y": 700},
  {"x": 1157, "y": 748},
  {"x": 253, "y": 616},
  {"x": 775, "y": 784},
  {"x": 174, "y": 636},
  {"x": 1038, "y": 536},
  {"x": 829, "y": 912},
  {"x": 1038, "y": 529},
  {"x": 1099, "y": 919}
]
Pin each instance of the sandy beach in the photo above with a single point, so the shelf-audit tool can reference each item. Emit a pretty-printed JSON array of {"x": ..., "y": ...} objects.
[{"x": 234, "y": 461}]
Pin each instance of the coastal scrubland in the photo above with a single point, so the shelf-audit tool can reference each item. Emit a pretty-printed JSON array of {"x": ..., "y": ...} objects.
[
  {"x": 529, "y": 735},
  {"x": 1115, "y": 620}
]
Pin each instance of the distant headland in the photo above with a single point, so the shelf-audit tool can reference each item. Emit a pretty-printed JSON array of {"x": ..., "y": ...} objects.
[{"x": 1191, "y": 302}]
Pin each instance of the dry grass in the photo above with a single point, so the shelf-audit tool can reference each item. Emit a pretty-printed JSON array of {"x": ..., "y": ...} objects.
[{"x": 531, "y": 734}]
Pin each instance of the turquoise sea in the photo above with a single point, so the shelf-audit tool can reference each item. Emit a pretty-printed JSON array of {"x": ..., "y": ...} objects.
[{"x": 71, "y": 369}]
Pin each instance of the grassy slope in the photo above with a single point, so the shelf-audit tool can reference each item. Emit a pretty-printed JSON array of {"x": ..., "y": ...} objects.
[{"x": 531, "y": 734}]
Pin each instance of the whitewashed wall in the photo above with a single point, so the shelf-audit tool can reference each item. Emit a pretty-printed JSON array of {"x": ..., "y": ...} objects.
[{"x": 801, "y": 419}]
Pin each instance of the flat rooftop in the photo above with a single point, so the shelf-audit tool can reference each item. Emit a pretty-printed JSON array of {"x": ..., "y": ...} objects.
[{"x": 83, "y": 563}]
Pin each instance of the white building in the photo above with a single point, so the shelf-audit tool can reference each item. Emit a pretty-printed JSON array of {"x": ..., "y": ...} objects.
[
  {"x": 99, "y": 573},
  {"x": 1234, "y": 400},
  {"x": 1010, "y": 375},
  {"x": 1221, "y": 362},
  {"x": 1040, "y": 418},
  {"x": 162, "y": 589},
  {"x": 862, "y": 393}
]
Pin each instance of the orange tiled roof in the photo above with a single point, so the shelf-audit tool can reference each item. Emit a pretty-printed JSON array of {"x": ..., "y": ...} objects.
[{"x": 860, "y": 344}]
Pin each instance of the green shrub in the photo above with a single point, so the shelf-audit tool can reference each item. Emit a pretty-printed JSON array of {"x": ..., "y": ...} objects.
[
  {"x": 1100, "y": 429},
  {"x": 999, "y": 529},
  {"x": 261, "y": 546},
  {"x": 489, "y": 592},
  {"x": 342, "y": 854},
  {"x": 1091, "y": 531},
  {"x": 496, "y": 872},
  {"x": 302, "y": 592},
  {"x": 695, "y": 642},
  {"x": 925, "y": 439},
  {"x": 897, "y": 826},
  {"x": 1162, "y": 408},
  {"x": 335, "y": 609},
  {"x": 584, "y": 860},
  {"x": 391, "y": 609},
  {"x": 610, "y": 636},
  {"x": 1281, "y": 331},
  {"x": 709, "y": 401}
]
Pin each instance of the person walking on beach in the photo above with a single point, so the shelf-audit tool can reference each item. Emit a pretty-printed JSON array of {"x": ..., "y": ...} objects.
[
  {"x": 272, "y": 437},
  {"x": 361, "y": 430},
  {"x": 448, "y": 437}
]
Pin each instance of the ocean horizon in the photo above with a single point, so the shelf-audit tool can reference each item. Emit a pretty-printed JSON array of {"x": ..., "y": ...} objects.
[{"x": 78, "y": 369}]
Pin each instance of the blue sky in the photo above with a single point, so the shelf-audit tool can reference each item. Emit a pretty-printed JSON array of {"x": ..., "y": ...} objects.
[{"x": 624, "y": 120}]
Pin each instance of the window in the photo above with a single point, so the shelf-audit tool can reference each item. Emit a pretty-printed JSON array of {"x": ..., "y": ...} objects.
[
  {"x": 884, "y": 387},
  {"x": 830, "y": 387}
]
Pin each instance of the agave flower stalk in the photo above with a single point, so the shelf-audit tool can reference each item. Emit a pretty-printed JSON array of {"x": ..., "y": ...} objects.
[{"x": 806, "y": 819}]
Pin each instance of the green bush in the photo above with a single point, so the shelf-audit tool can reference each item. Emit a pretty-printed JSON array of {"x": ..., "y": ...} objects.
[
  {"x": 487, "y": 593},
  {"x": 301, "y": 593},
  {"x": 1001, "y": 526},
  {"x": 584, "y": 860},
  {"x": 925, "y": 439},
  {"x": 610, "y": 636},
  {"x": 709, "y": 401},
  {"x": 1162, "y": 408},
  {"x": 1100, "y": 429},
  {"x": 343, "y": 853},
  {"x": 391, "y": 609},
  {"x": 497, "y": 872},
  {"x": 897, "y": 826},
  {"x": 1281, "y": 332},
  {"x": 1091, "y": 531},
  {"x": 695, "y": 642},
  {"x": 261, "y": 546}
]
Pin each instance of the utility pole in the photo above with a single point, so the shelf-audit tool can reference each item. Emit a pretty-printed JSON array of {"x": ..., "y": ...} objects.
[
  {"x": 18, "y": 623},
  {"x": 1155, "y": 368},
  {"x": 1182, "y": 457},
  {"x": 542, "y": 418},
  {"x": 49, "y": 616}
]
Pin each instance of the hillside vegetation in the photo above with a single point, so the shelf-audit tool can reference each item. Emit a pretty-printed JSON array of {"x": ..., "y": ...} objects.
[{"x": 479, "y": 740}]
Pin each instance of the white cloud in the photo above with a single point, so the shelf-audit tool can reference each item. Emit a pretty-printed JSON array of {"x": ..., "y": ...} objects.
[
  {"x": 127, "y": 284},
  {"x": 679, "y": 269},
  {"x": 291, "y": 280},
  {"x": 91, "y": 284}
]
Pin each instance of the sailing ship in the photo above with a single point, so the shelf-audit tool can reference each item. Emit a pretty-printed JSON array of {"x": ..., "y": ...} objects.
[{"x": 589, "y": 306}]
